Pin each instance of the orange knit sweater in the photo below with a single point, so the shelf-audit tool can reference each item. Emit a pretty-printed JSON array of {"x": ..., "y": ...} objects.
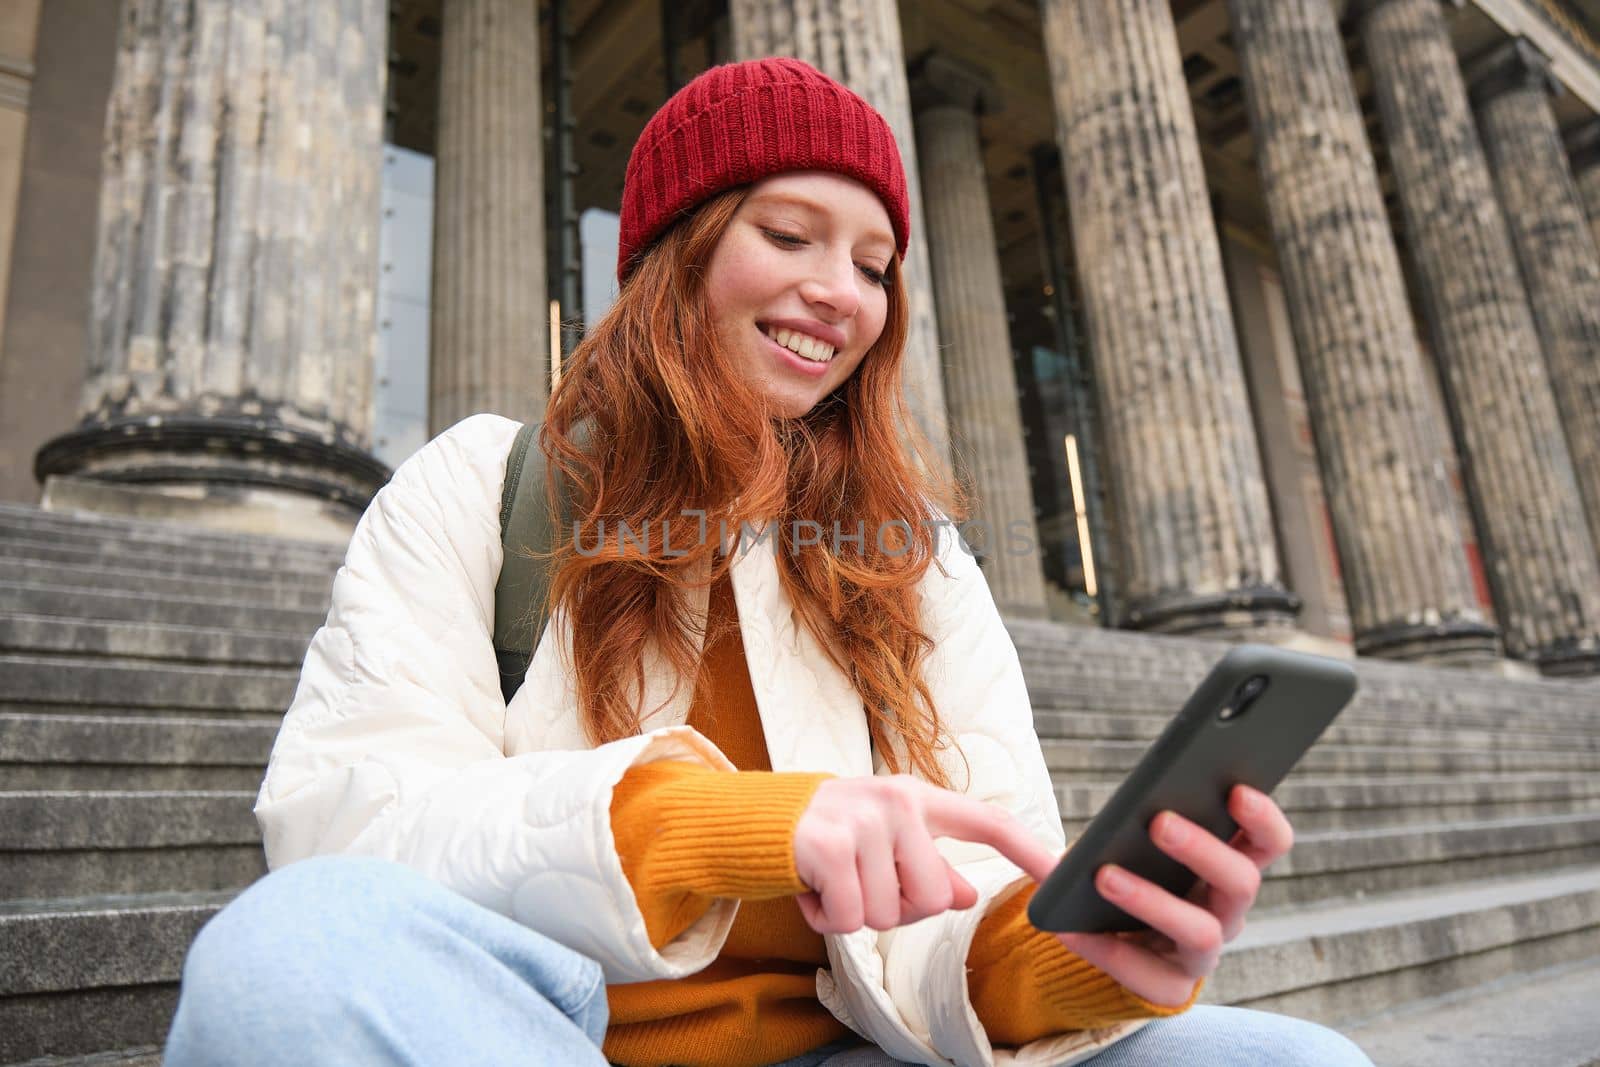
[{"x": 687, "y": 834}]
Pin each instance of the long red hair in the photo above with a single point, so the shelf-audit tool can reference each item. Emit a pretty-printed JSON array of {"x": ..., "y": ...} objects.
[{"x": 670, "y": 425}]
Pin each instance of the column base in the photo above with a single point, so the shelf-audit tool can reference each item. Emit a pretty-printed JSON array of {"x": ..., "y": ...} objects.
[
  {"x": 1569, "y": 659},
  {"x": 1452, "y": 643},
  {"x": 1259, "y": 613},
  {"x": 225, "y": 449},
  {"x": 236, "y": 510}
]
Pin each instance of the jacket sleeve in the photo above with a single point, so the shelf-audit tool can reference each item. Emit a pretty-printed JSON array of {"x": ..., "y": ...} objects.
[
  {"x": 394, "y": 743},
  {"x": 977, "y": 683}
]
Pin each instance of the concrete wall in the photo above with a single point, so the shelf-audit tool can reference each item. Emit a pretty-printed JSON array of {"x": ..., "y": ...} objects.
[{"x": 44, "y": 330}]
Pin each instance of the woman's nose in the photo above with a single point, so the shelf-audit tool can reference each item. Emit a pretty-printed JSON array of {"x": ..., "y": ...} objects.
[{"x": 833, "y": 283}]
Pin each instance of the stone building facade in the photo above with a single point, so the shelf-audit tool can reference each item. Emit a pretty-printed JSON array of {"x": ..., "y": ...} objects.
[{"x": 1271, "y": 318}]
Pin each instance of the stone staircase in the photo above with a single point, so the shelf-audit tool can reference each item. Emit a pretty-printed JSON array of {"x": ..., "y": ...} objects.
[
  {"x": 1448, "y": 825},
  {"x": 143, "y": 671}
]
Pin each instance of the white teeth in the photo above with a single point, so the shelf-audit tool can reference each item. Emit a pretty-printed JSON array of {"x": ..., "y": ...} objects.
[{"x": 802, "y": 345}]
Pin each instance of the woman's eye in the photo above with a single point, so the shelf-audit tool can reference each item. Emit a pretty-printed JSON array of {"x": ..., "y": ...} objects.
[{"x": 877, "y": 277}]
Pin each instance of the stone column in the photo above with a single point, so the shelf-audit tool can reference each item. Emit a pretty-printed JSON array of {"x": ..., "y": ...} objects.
[
  {"x": 1585, "y": 149},
  {"x": 1197, "y": 545},
  {"x": 980, "y": 381},
  {"x": 489, "y": 344},
  {"x": 232, "y": 336},
  {"x": 1559, "y": 257},
  {"x": 1381, "y": 452},
  {"x": 1539, "y": 557},
  {"x": 857, "y": 42}
]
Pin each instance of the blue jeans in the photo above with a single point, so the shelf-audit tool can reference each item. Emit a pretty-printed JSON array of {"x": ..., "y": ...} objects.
[{"x": 354, "y": 961}]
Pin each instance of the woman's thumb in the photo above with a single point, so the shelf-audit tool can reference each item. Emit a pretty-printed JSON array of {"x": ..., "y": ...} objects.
[
  {"x": 810, "y": 909},
  {"x": 963, "y": 896}
]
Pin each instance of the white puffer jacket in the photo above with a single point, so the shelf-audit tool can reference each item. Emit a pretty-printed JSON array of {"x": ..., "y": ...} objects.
[{"x": 398, "y": 744}]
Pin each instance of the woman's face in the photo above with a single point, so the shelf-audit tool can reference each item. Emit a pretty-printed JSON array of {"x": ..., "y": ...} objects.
[{"x": 802, "y": 261}]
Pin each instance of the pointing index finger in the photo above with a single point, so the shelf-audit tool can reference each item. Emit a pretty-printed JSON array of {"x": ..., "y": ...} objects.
[{"x": 966, "y": 819}]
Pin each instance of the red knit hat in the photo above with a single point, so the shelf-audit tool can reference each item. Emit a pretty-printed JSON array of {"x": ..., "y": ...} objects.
[{"x": 740, "y": 122}]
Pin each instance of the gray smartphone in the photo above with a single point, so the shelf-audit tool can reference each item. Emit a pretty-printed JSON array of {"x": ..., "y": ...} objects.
[{"x": 1249, "y": 721}]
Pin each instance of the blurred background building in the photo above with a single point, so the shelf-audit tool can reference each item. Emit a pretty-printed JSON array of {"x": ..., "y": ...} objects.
[{"x": 1262, "y": 316}]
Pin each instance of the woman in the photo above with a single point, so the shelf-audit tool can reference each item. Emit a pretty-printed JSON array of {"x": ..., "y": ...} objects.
[{"x": 770, "y": 792}]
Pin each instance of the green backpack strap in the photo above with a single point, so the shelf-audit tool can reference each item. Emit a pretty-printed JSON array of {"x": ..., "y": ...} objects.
[{"x": 519, "y": 595}]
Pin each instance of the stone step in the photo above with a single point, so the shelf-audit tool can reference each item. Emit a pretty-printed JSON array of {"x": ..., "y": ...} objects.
[
  {"x": 264, "y": 590},
  {"x": 110, "y": 530},
  {"x": 1529, "y": 710},
  {"x": 66, "y": 844},
  {"x": 1543, "y": 1019},
  {"x": 145, "y": 1056},
  {"x": 1348, "y": 864},
  {"x": 1391, "y": 818},
  {"x": 1102, "y": 758},
  {"x": 1101, "y": 652},
  {"x": 1539, "y": 731},
  {"x": 87, "y": 602},
  {"x": 1316, "y": 804},
  {"x": 1335, "y": 963},
  {"x": 73, "y": 681},
  {"x": 1109, "y": 662},
  {"x": 1131, "y": 726},
  {"x": 84, "y": 975},
  {"x": 121, "y": 776},
  {"x": 1391, "y": 856},
  {"x": 178, "y": 561},
  {"x": 124, "y": 819},
  {"x": 151, "y": 641},
  {"x": 58, "y": 752}
]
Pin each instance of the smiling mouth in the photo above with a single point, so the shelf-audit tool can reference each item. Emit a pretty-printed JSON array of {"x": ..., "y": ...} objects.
[
  {"x": 792, "y": 360},
  {"x": 802, "y": 345}
]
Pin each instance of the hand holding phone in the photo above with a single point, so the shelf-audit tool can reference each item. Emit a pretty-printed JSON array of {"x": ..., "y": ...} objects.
[
  {"x": 1186, "y": 935},
  {"x": 1194, "y": 810}
]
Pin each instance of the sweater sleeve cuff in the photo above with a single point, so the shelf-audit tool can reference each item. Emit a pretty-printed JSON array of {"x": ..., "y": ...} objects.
[
  {"x": 1026, "y": 985},
  {"x": 711, "y": 833},
  {"x": 1070, "y": 987}
]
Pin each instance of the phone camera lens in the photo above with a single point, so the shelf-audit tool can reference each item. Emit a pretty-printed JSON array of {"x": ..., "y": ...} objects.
[{"x": 1246, "y": 695}]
